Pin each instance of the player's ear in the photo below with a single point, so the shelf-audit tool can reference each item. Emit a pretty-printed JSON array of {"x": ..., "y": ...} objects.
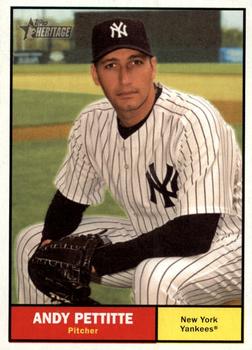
[
  {"x": 153, "y": 61},
  {"x": 94, "y": 74}
]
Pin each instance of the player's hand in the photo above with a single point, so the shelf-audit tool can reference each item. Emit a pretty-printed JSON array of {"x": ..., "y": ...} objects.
[
  {"x": 48, "y": 241},
  {"x": 62, "y": 269},
  {"x": 45, "y": 242}
]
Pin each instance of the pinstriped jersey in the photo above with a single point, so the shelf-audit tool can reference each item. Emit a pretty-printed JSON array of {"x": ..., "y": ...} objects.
[{"x": 183, "y": 160}]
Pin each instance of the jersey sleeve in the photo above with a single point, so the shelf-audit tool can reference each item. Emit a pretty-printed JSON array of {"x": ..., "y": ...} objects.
[
  {"x": 207, "y": 158},
  {"x": 77, "y": 179}
]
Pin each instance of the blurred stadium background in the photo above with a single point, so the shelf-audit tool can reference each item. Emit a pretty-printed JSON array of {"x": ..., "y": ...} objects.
[{"x": 197, "y": 53}]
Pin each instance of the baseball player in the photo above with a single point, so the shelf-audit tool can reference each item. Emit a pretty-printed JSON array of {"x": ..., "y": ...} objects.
[{"x": 171, "y": 162}]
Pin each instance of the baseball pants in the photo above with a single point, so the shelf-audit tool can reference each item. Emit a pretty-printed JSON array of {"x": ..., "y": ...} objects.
[{"x": 212, "y": 278}]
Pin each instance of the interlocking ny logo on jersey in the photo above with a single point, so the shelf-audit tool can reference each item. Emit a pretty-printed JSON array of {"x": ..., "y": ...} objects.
[
  {"x": 156, "y": 185},
  {"x": 118, "y": 29}
]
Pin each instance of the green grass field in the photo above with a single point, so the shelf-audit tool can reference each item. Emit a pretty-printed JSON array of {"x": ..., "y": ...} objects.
[
  {"x": 190, "y": 68},
  {"x": 35, "y": 163},
  {"x": 49, "y": 94},
  {"x": 33, "y": 170},
  {"x": 45, "y": 107}
]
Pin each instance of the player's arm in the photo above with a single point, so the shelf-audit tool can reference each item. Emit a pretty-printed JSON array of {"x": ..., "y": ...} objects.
[
  {"x": 190, "y": 233},
  {"x": 62, "y": 218},
  {"x": 77, "y": 184},
  {"x": 184, "y": 236}
]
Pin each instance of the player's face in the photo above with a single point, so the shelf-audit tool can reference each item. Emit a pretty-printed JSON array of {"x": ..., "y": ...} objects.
[{"x": 126, "y": 77}]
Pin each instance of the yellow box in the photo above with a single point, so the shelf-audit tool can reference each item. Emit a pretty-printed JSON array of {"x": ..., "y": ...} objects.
[{"x": 199, "y": 324}]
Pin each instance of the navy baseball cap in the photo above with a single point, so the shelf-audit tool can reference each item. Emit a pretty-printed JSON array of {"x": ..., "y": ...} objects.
[{"x": 119, "y": 33}]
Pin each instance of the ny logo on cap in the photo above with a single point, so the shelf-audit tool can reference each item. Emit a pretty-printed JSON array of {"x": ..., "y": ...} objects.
[{"x": 119, "y": 29}]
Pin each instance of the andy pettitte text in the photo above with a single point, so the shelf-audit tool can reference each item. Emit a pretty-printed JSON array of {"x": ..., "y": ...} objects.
[{"x": 86, "y": 318}]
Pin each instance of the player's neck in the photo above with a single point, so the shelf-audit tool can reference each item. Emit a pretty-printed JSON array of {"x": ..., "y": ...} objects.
[{"x": 133, "y": 117}]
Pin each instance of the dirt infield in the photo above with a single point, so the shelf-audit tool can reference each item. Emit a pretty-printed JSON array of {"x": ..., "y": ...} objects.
[
  {"x": 42, "y": 132},
  {"x": 232, "y": 112},
  {"x": 223, "y": 90}
]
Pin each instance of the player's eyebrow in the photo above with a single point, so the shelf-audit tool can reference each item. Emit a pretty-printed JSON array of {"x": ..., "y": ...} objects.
[
  {"x": 115, "y": 59},
  {"x": 106, "y": 60},
  {"x": 140, "y": 55}
]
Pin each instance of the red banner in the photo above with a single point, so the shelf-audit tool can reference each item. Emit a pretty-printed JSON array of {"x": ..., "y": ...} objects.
[{"x": 83, "y": 323}]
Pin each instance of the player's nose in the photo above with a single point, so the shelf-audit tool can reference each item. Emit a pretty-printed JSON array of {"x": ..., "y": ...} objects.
[{"x": 124, "y": 76}]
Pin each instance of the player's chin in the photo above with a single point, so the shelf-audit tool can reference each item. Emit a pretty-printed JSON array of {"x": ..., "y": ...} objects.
[
  {"x": 129, "y": 105},
  {"x": 127, "y": 109},
  {"x": 126, "y": 102}
]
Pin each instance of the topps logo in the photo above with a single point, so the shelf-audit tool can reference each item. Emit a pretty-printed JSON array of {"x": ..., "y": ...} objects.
[{"x": 41, "y": 29}]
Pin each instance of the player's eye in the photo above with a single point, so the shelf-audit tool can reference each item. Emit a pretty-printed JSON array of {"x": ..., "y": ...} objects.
[
  {"x": 110, "y": 65},
  {"x": 136, "y": 62}
]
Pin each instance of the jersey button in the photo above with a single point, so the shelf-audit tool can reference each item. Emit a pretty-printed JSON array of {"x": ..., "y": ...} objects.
[{"x": 126, "y": 166}]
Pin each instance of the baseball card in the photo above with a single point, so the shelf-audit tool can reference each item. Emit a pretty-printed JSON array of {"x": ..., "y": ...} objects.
[{"x": 126, "y": 191}]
